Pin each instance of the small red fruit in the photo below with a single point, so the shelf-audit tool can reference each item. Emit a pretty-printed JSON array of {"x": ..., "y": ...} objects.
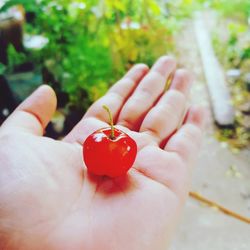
[{"x": 109, "y": 151}]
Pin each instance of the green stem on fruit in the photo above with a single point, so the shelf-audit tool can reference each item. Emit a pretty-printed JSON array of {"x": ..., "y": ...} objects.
[{"x": 112, "y": 136}]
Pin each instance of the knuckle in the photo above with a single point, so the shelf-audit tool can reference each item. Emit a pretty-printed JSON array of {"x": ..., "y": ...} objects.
[
  {"x": 156, "y": 76},
  {"x": 144, "y": 94},
  {"x": 184, "y": 149},
  {"x": 192, "y": 132},
  {"x": 115, "y": 97},
  {"x": 175, "y": 97},
  {"x": 171, "y": 114}
]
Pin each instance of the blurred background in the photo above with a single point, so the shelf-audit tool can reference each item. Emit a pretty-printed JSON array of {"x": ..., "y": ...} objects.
[{"x": 81, "y": 47}]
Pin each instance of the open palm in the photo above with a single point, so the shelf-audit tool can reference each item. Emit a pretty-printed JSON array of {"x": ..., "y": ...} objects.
[{"x": 48, "y": 200}]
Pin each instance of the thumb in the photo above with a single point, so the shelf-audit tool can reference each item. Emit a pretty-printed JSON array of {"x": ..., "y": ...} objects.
[{"x": 34, "y": 114}]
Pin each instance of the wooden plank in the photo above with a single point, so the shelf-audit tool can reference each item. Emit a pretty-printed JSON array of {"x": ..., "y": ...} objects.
[{"x": 223, "y": 110}]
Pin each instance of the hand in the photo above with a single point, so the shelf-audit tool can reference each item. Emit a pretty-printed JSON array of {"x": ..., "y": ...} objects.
[{"x": 49, "y": 201}]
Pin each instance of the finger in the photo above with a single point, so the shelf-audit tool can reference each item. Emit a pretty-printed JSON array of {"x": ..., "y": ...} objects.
[
  {"x": 186, "y": 141},
  {"x": 118, "y": 94},
  {"x": 163, "y": 167},
  {"x": 172, "y": 163},
  {"x": 182, "y": 81},
  {"x": 83, "y": 129},
  {"x": 147, "y": 92},
  {"x": 164, "y": 118},
  {"x": 96, "y": 117},
  {"x": 34, "y": 113}
]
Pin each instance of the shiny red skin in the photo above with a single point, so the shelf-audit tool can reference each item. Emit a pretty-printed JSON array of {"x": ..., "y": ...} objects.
[{"x": 110, "y": 157}]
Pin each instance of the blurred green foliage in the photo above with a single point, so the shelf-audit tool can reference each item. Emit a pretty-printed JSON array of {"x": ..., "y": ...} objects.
[
  {"x": 92, "y": 43},
  {"x": 232, "y": 8}
]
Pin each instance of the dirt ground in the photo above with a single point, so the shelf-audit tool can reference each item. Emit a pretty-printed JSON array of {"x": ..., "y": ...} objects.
[{"x": 220, "y": 175}]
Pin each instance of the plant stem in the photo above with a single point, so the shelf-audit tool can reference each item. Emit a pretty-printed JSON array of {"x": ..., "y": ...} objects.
[
  {"x": 221, "y": 208},
  {"x": 112, "y": 136}
]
